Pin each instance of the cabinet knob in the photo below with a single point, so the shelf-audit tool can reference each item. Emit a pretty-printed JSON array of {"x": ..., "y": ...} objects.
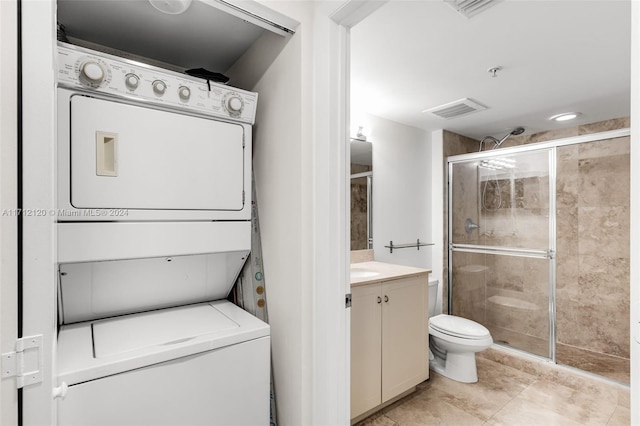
[
  {"x": 379, "y": 299},
  {"x": 386, "y": 298}
]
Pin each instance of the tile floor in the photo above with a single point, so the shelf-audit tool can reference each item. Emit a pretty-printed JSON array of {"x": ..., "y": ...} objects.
[{"x": 510, "y": 393}]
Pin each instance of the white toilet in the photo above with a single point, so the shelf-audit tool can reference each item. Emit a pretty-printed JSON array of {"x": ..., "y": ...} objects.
[{"x": 453, "y": 342}]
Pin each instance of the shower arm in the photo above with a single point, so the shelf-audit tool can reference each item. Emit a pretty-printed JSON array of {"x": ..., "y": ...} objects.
[
  {"x": 496, "y": 142},
  {"x": 515, "y": 132},
  {"x": 491, "y": 138}
]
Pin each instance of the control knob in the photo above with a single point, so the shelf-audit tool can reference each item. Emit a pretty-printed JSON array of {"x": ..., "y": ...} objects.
[
  {"x": 92, "y": 73},
  {"x": 159, "y": 87},
  {"x": 131, "y": 81},
  {"x": 234, "y": 104},
  {"x": 184, "y": 93}
]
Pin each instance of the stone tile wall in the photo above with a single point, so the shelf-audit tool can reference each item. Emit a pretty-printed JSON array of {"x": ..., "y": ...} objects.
[{"x": 592, "y": 293}]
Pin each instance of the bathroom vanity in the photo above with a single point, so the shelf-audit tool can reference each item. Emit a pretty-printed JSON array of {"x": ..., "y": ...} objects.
[{"x": 389, "y": 334}]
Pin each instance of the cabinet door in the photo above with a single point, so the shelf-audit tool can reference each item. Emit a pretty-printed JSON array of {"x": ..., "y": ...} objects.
[
  {"x": 405, "y": 336},
  {"x": 365, "y": 348}
]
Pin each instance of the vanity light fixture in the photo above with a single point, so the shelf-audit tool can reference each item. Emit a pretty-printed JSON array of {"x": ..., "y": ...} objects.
[
  {"x": 360, "y": 134},
  {"x": 565, "y": 116}
]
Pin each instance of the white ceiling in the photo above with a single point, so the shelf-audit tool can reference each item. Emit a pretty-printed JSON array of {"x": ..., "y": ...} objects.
[{"x": 557, "y": 56}]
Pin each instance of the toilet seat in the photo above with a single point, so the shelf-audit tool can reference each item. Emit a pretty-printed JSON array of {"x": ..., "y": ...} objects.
[{"x": 461, "y": 328}]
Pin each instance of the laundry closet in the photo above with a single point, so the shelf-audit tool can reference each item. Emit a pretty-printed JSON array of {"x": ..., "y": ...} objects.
[{"x": 148, "y": 217}]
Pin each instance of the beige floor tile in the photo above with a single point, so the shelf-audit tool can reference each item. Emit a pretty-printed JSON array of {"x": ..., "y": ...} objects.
[
  {"x": 431, "y": 407},
  {"x": 505, "y": 396},
  {"x": 495, "y": 376},
  {"x": 588, "y": 406},
  {"x": 496, "y": 386},
  {"x": 521, "y": 412},
  {"x": 620, "y": 417},
  {"x": 378, "y": 420},
  {"x": 624, "y": 398}
]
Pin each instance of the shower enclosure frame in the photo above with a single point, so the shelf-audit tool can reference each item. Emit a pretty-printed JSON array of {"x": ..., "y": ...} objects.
[{"x": 550, "y": 252}]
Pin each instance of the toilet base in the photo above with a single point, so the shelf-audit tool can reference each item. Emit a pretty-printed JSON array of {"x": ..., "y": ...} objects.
[{"x": 460, "y": 367}]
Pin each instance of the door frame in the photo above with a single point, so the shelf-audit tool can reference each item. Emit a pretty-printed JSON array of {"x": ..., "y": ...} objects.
[{"x": 9, "y": 115}]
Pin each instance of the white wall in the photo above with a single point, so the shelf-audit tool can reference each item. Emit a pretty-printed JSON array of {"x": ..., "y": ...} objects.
[
  {"x": 301, "y": 173},
  {"x": 401, "y": 190},
  {"x": 8, "y": 193},
  {"x": 279, "y": 167},
  {"x": 437, "y": 213},
  {"x": 286, "y": 157}
]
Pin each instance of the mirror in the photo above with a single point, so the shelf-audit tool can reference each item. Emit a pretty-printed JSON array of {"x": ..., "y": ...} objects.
[{"x": 361, "y": 188}]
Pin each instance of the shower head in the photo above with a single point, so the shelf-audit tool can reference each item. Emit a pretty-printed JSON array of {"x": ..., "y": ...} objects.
[{"x": 515, "y": 132}]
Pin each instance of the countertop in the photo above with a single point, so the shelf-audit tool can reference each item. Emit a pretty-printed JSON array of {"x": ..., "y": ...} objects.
[{"x": 386, "y": 272}]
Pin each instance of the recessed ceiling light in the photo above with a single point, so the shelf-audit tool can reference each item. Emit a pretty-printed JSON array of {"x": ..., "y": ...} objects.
[
  {"x": 171, "y": 7},
  {"x": 565, "y": 116}
]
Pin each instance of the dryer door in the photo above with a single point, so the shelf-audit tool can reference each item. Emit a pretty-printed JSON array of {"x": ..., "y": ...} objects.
[{"x": 129, "y": 157}]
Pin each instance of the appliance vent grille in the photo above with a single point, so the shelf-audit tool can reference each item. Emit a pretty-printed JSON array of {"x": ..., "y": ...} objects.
[
  {"x": 457, "y": 108},
  {"x": 469, "y": 8}
]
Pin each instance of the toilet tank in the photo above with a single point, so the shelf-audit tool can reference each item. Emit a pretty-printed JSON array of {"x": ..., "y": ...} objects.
[{"x": 433, "y": 297}]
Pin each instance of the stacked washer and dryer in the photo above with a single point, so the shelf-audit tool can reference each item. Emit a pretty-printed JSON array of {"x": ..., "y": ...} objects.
[{"x": 153, "y": 196}]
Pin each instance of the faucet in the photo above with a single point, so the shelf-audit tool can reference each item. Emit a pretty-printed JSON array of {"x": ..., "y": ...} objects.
[{"x": 469, "y": 226}]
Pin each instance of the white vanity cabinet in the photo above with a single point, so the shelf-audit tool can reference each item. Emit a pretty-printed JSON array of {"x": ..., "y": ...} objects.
[{"x": 389, "y": 340}]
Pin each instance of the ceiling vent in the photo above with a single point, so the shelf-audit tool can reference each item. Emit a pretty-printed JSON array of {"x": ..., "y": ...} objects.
[
  {"x": 456, "y": 108},
  {"x": 469, "y": 8}
]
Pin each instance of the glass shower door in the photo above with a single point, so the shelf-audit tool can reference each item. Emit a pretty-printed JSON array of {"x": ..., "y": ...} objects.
[{"x": 501, "y": 245}]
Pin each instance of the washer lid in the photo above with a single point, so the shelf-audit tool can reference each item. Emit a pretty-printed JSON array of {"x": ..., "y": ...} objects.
[
  {"x": 92, "y": 350},
  {"x": 459, "y": 327},
  {"x": 114, "y": 336}
]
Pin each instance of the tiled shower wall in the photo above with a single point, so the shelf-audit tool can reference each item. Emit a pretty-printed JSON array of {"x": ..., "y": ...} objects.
[
  {"x": 593, "y": 248},
  {"x": 592, "y": 289}
]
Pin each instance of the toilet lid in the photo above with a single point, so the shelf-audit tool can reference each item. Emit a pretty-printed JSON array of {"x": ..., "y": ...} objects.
[{"x": 459, "y": 327}]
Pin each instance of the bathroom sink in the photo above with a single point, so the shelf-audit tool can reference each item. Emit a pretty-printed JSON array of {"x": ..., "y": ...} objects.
[{"x": 363, "y": 273}]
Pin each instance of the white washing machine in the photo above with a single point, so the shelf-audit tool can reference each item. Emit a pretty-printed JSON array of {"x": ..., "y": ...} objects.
[
  {"x": 153, "y": 220},
  {"x": 196, "y": 364}
]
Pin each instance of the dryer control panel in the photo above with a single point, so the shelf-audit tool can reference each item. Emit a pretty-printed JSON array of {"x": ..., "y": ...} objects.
[{"x": 86, "y": 69}]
